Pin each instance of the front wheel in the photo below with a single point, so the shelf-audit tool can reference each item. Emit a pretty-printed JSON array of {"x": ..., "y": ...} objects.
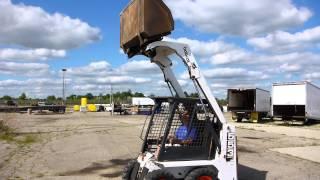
[
  {"x": 207, "y": 173},
  {"x": 131, "y": 169}
]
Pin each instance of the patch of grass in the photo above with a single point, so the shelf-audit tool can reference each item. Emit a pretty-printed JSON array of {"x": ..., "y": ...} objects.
[
  {"x": 28, "y": 139},
  {"x": 20, "y": 140},
  {"x": 7, "y": 137},
  {"x": 7, "y": 134},
  {"x": 4, "y": 128}
]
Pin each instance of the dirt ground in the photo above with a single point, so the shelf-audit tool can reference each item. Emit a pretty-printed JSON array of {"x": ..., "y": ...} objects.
[{"x": 97, "y": 146}]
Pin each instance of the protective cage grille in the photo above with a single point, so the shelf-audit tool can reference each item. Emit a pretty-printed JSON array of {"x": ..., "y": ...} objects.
[{"x": 180, "y": 129}]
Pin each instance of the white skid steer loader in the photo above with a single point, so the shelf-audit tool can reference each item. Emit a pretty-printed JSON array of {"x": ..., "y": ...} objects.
[{"x": 186, "y": 138}]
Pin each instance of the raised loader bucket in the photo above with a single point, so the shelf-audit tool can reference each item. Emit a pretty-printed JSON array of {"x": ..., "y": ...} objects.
[{"x": 143, "y": 22}]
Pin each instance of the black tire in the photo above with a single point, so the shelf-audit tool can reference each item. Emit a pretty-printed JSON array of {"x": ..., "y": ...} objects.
[
  {"x": 239, "y": 119},
  {"x": 205, "y": 173},
  {"x": 307, "y": 121},
  {"x": 160, "y": 174},
  {"x": 129, "y": 168}
]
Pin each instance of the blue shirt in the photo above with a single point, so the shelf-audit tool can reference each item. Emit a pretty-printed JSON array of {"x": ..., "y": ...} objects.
[{"x": 182, "y": 133}]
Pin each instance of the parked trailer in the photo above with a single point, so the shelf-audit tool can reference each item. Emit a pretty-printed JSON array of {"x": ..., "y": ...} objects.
[
  {"x": 53, "y": 108},
  {"x": 253, "y": 104},
  {"x": 296, "y": 100}
]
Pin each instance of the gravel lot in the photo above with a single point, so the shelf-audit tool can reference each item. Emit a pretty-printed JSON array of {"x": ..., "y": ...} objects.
[{"x": 97, "y": 146}]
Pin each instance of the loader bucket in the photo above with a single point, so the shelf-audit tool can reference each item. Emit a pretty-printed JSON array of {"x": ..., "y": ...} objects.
[{"x": 143, "y": 22}]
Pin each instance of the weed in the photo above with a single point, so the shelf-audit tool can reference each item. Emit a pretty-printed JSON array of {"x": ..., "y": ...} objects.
[
  {"x": 4, "y": 128},
  {"x": 28, "y": 139},
  {"x": 7, "y": 134},
  {"x": 7, "y": 137}
]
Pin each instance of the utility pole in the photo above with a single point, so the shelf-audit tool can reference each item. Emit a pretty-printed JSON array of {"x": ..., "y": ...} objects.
[
  {"x": 111, "y": 100},
  {"x": 63, "y": 86}
]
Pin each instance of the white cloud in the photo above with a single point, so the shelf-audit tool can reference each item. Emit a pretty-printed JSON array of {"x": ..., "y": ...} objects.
[
  {"x": 290, "y": 67},
  {"x": 218, "y": 85},
  {"x": 142, "y": 67},
  {"x": 34, "y": 87},
  {"x": 33, "y": 27},
  {"x": 307, "y": 59},
  {"x": 215, "y": 52},
  {"x": 229, "y": 73},
  {"x": 97, "y": 68},
  {"x": 24, "y": 69},
  {"x": 86, "y": 87},
  {"x": 232, "y": 56},
  {"x": 235, "y": 73},
  {"x": 10, "y": 54},
  {"x": 122, "y": 80},
  {"x": 245, "y": 18},
  {"x": 283, "y": 41},
  {"x": 232, "y": 85},
  {"x": 99, "y": 75},
  {"x": 204, "y": 48},
  {"x": 314, "y": 75},
  {"x": 11, "y": 82},
  {"x": 236, "y": 67},
  {"x": 121, "y": 51}
]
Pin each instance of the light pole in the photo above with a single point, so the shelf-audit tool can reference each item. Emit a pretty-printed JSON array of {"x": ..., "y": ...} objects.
[
  {"x": 63, "y": 86},
  {"x": 111, "y": 100}
]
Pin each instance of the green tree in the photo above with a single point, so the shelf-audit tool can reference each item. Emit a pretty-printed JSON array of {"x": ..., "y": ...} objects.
[
  {"x": 72, "y": 97},
  {"x": 6, "y": 98},
  {"x": 222, "y": 102},
  {"x": 23, "y": 96},
  {"x": 138, "y": 94},
  {"x": 51, "y": 98},
  {"x": 89, "y": 96}
]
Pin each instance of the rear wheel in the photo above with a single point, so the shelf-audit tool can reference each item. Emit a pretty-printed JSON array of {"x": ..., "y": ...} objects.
[
  {"x": 160, "y": 174},
  {"x": 207, "y": 173},
  {"x": 129, "y": 172}
]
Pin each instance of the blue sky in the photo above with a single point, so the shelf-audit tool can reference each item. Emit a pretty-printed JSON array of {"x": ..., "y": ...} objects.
[{"x": 238, "y": 44}]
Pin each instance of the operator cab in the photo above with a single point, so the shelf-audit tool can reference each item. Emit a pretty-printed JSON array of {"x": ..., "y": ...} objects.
[{"x": 166, "y": 122}]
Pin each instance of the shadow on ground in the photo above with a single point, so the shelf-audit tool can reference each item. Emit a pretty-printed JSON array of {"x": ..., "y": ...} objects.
[
  {"x": 116, "y": 165},
  {"x": 248, "y": 173},
  {"x": 244, "y": 172},
  {"x": 245, "y": 150}
]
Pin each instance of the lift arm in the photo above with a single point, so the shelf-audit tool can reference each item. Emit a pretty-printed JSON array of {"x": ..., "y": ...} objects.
[{"x": 160, "y": 51}]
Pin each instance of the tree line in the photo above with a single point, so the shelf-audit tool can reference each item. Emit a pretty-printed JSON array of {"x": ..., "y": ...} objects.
[{"x": 120, "y": 97}]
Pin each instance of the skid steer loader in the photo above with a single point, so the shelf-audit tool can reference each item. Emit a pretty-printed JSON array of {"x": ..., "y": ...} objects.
[{"x": 186, "y": 138}]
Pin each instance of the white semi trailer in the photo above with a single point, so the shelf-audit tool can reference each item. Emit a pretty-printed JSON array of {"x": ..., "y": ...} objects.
[
  {"x": 252, "y": 104},
  {"x": 297, "y": 100}
]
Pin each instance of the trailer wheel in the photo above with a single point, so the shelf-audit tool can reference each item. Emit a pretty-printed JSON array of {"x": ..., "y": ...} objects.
[
  {"x": 307, "y": 121},
  {"x": 239, "y": 118},
  {"x": 160, "y": 174},
  {"x": 207, "y": 173},
  {"x": 131, "y": 169}
]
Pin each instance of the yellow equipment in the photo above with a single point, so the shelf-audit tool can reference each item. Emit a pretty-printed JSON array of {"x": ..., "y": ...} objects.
[
  {"x": 84, "y": 101},
  {"x": 76, "y": 108},
  {"x": 92, "y": 108}
]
